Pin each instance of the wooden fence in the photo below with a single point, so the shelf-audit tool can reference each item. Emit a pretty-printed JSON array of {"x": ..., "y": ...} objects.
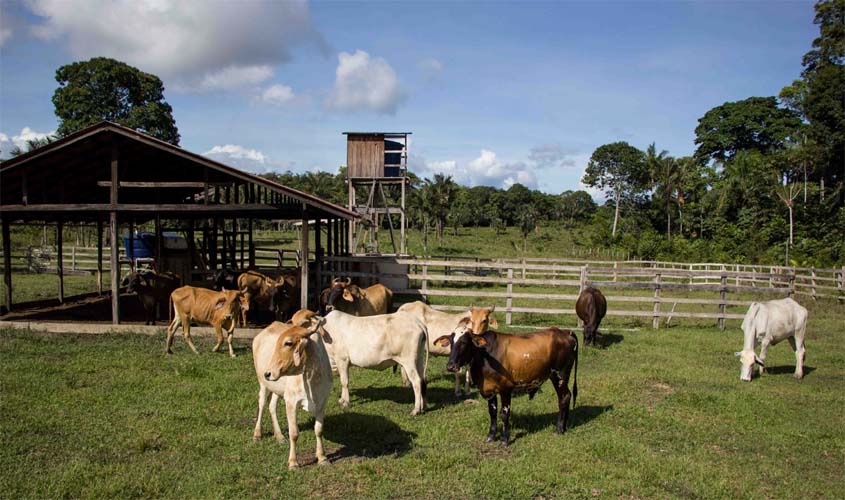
[{"x": 433, "y": 277}]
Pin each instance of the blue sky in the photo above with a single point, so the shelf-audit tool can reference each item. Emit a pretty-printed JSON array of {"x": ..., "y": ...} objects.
[{"x": 494, "y": 92}]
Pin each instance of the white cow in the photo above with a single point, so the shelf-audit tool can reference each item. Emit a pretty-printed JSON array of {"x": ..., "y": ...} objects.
[
  {"x": 767, "y": 323},
  {"x": 291, "y": 361},
  {"x": 378, "y": 342},
  {"x": 438, "y": 324}
]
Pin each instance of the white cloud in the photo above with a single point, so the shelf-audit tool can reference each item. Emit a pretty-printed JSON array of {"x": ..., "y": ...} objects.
[
  {"x": 277, "y": 95},
  {"x": 430, "y": 68},
  {"x": 486, "y": 170},
  {"x": 20, "y": 140},
  {"x": 551, "y": 155},
  {"x": 365, "y": 84},
  {"x": 5, "y": 34},
  {"x": 185, "y": 43},
  {"x": 234, "y": 77},
  {"x": 240, "y": 157}
]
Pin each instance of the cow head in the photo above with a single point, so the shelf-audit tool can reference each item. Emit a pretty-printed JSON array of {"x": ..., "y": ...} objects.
[
  {"x": 480, "y": 320},
  {"x": 463, "y": 349},
  {"x": 352, "y": 293},
  {"x": 748, "y": 358},
  {"x": 337, "y": 290},
  {"x": 303, "y": 318},
  {"x": 131, "y": 281},
  {"x": 290, "y": 352},
  {"x": 229, "y": 303}
]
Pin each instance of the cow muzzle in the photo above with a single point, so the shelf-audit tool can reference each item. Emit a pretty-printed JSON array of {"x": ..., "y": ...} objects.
[
  {"x": 453, "y": 367},
  {"x": 270, "y": 377}
]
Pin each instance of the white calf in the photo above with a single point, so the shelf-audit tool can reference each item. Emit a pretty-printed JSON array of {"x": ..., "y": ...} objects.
[
  {"x": 767, "y": 323},
  {"x": 291, "y": 362},
  {"x": 378, "y": 342}
]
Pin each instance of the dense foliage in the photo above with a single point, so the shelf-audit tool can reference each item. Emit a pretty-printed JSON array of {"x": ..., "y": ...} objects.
[
  {"x": 764, "y": 185},
  {"x": 106, "y": 89}
]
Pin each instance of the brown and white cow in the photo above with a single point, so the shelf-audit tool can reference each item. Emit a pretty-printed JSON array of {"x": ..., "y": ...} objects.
[
  {"x": 357, "y": 301},
  {"x": 500, "y": 363},
  {"x": 204, "y": 307},
  {"x": 291, "y": 361}
]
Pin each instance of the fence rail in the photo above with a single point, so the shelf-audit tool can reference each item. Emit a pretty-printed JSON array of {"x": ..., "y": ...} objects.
[{"x": 434, "y": 276}]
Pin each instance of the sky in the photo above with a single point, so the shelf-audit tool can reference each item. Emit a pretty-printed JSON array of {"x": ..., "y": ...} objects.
[{"x": 494, "y": 93}]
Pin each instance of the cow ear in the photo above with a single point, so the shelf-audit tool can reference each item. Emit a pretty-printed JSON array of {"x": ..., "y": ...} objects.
[
  {"x": 479, "y": 341},
  {"x": 493, "y": 322},
  {"x": 297, "y": 351},
  {"x": 491, "y": 309},
  {"x": 464, "y": 321},
  {"x": 443, "y": 341},
  {"x": 220, "y": 303}
]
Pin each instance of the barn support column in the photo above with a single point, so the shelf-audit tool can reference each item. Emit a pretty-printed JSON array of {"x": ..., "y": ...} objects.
[
  {"x": 60, "y": 270},
  {"x": 7, "y": 264},
  {"x": 99, "y": 256},
  {"x": 212, "y": 245},
  {"x": 114, "y": 268},
  {"x": 318, "y": 252},
  {"x": 251, "y": 244},
  {"x": 192, "y": 248},
  {"x": 303, "y": 270},
  {"x": 131, "y": 246}
]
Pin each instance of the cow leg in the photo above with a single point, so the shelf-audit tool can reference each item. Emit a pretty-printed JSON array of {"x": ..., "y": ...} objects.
[
  {"x": 493, "y": 410},
  {"x": 230, "y": 334},
  {"x": 293, "y": 433},
  {"x": 343, "y": 373},
  {"x": 406, "y": 382},
  {"x": 764, "y": 348},
  {"x": 319, "y": 415},
  {"x": 262, "y": 401},
  {"x": 171, "y": 332},
  {"x": 186, "y": 333},
  {"x": 506, "y": 417},
  {"x": 274, "y": 417},
  {"x": 458, "y": 393},
  {"x": 797, "y": 344},
  {"x": 218, "y": 332},
  {"x": 468, "y": 381},
  {"x": 416, "y": 383},
  {"x": 564, "y": 397}
]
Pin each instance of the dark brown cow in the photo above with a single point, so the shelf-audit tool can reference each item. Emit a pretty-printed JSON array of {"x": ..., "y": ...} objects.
[
  {"x": 264, "y": 293},
  {"x": 152, "y": 289},
  {"x": 591, "y": 308},
  {"x": 500, "y": 363}
]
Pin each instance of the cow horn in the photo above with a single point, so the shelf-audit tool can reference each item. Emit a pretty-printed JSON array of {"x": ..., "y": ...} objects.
[{"x": 348, "y": 281}]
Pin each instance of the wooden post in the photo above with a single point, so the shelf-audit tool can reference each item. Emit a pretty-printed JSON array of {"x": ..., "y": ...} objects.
[
  {"x": 192, "y": 248},
  {"x": 655, "y": 322},
  {"x": 303, "y": 249},
  {"x": 509, "y": 299},
  {"x": 159, "y": 254},
  {"x": 723, "y": 291},
  {"x": 99, "y": 256},
  {"x": 615, "y": 274},
  {"x": 114, "y": 268},
  {"x": 791, "y": 291},
  {"x": 424, "y": 285},
  {"x": 813, "y": 281},
  {"x": 737, "y": 275},
  {"x": 7, "y": 264},
  {"x": 841, "y": 284},
  {"x": 402, "y": 217},
  {"x": 131, "y": 246},
  {"x": 212, "y": 245},
  {"x": 60, "y": 270},
  {"x": 73, "y": 258},
  {"x": 318, "y": 253},
  {"x": 251, "y": 244}
]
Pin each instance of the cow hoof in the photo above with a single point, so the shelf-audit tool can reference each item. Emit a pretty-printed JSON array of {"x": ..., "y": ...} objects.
[
  {"x": 293, "y": 465},
  {"x": 280, "y": 439},
  {"x": 323, "y": 462},
  {"x": 256, "y": 439},
  {"x": 490, "y": 438},
  {"x": 343, "y": 404},
  {"x": 798, "y": 376},
  {"x": 232, "y": 356}
]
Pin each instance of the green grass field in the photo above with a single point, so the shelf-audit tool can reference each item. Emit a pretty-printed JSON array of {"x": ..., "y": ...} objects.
[{"x": 660, "y": 414}]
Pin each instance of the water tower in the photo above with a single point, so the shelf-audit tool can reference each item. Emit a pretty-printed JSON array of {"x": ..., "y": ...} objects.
[{"x": 377, "y": 176}]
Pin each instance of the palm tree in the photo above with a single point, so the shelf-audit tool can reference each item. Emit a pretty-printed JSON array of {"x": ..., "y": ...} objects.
[
  {"x": 440, "y": 193},
  {"x": 667, "y": 178},
  {"x": 787, "y": 192}
]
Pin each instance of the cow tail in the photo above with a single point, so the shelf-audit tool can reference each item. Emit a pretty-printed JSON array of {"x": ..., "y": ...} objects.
[
  {"x": 575, "y": 379},
  {"x": 424, "y": 384}
]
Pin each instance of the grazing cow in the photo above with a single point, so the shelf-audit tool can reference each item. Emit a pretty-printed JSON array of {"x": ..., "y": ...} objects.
[
  {"x": 226, "y": 279},
  {"x": 205, "y": 307},
  {"x": 500, "y": 363},
  {"x": 591, "y": 307},
  {"x": 440, "y": 323},
  {"x": 261, "y": 292},
  {"x": 767, "y": 323},
  {"x": 152, "y": 289},
  {"x": 291, "y": 361},
  {"x": 357, "y": 301},
  {"x": 378, "y": 342}
]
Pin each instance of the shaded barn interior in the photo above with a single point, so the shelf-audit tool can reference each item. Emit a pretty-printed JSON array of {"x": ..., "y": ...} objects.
[{"x": 116, "y": 178}]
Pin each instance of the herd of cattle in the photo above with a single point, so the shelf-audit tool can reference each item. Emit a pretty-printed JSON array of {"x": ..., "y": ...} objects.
[{"x": 296, "y": 355}]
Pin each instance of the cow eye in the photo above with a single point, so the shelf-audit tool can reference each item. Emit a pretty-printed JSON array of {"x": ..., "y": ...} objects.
[{"x": 289, "y": 343}]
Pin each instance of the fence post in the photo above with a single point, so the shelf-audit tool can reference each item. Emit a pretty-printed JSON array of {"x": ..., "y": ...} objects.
[
  {"x": 655, "y": 323},
  {"x": 737, "y": 275},
  {"x": 73, "y": 258},
  {"x": 813, "y": 281},
  {"x": 280, "y": 256},
  {"x": 615, "y": 274},
  {"x": 582, "y": 285},
  {"x": 509, "y": 300},
  {"x": 424, "y": 286},
  {"x": 722, "y": 296},
  {"x": 791, "y": 291},
  {"x": 841, "y": 284},
  {"x": 523, "y": 269}
]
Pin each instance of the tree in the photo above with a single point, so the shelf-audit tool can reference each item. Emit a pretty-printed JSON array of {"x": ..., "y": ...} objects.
[
  {"x": 106, "y": 89},
  {"x": 32, "y": 144},
  {"x": 755, "y": 124},
  {"x": 439, "y": 194},
  {"x": 787, "y": 192},
  {"x": 618, "y": 169},
  {"x": 527, "y": 224},
  {"x": 574, "y": 205},
  {"x": 667, "y": 177}
]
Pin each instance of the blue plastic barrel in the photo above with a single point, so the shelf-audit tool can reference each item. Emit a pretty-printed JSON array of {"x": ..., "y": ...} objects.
[{"x": 142, "y": 246}]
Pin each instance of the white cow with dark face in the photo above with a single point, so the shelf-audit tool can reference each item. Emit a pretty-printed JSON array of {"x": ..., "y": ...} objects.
[{"x": 767, "y": 323}]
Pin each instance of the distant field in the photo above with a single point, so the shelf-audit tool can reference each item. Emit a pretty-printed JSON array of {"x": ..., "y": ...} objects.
[{"x": 660, "y": 414}]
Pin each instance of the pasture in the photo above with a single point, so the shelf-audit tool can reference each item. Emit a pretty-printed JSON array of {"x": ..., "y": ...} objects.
[{"x": 660, "y": 414}]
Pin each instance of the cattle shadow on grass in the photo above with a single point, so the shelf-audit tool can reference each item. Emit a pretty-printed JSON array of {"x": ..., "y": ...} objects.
[
  {"x": 365, "y": 436},
  {"x": 435, "y": 398},
  {"x": 528, "y": 423},
  {"x": 784, "y": 369},
  {"x": 605, "y": 340}
]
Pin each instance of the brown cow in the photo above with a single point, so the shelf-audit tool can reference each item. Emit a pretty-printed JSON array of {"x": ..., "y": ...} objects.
[
  {"x": 500, "y": 363},
  {"x": 205, "y": 307},
  {"x": 357, "y": 301},
  {"x": 591, "y": 307},
  {"x": 262, "y": 292},
  {"x": 152, "y": 289}
]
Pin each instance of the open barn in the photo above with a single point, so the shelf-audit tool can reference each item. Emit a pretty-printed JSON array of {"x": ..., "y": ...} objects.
[{"x": 116, "y": 179}]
